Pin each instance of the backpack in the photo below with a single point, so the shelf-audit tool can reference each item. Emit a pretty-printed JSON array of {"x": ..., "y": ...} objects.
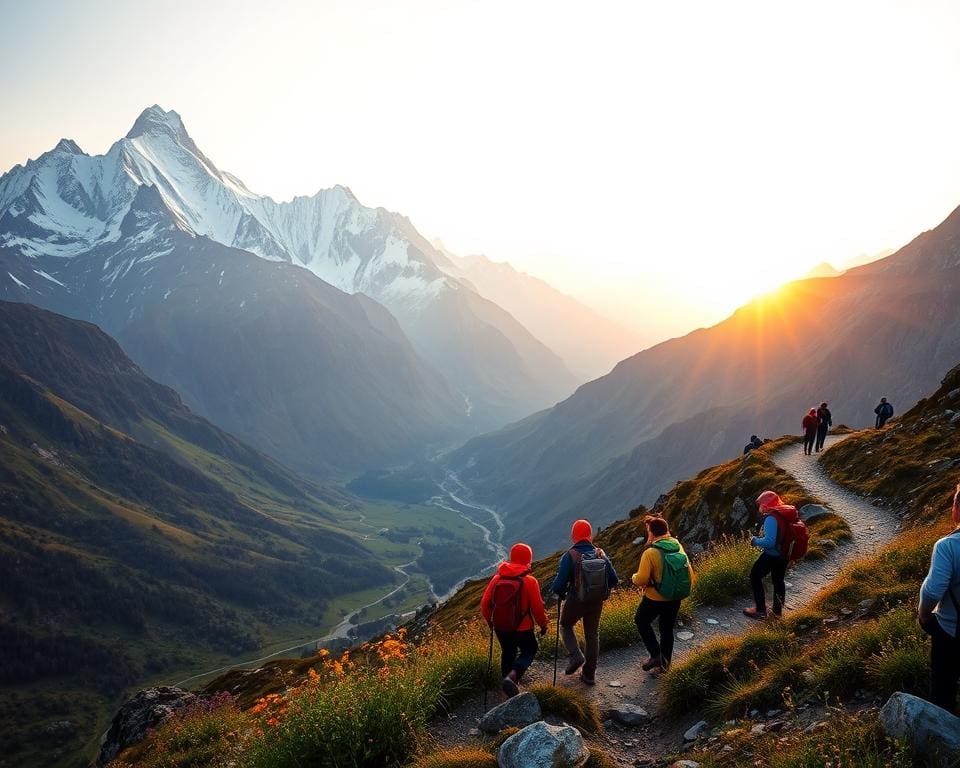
[
  {"x": 508, "y": 610},
  {"x": 887, "y": 410},
  {"x": 675, "y": 573},
  {"x": 590, "y": 576},
  {"x": 792, "y": 537}
]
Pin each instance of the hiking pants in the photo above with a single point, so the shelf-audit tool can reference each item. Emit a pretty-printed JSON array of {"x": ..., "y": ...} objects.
[
  {"x": 517, "y": 650},
  {"x": 777, "y": 568},
  {"x": 666, "y": 611},
  {"x": 944, "y": 666},
  {"x": 881, "y": 420},
  {"x": 572, "y": 612},
  {"x": 822, "y": 436},
  {"x": 809, "y": 438}
]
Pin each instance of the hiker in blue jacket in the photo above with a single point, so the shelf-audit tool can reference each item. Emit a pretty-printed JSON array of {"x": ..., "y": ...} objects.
[
  {"x": 770, "y": 561},
  {"x": 939, "y": 614},
  {"x": 565, "y": 586},
  {"x": 884, "y": 411}
]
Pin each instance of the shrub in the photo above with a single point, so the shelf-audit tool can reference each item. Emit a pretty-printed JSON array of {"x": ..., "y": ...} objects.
[
  {"x": 723, "y": 571},
  {"x": 570, "y": 705}
]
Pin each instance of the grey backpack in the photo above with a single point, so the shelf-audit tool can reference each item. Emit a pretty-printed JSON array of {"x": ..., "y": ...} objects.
[{"x": 590, "y": 583}]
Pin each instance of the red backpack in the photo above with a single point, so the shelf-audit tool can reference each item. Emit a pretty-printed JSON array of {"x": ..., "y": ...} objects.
[
  {"x": 508, "y": 609},
  {"x": 792, "y": 535}
]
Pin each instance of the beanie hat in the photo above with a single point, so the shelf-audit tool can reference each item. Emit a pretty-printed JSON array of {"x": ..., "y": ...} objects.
[
  {"x": 521, "y": 554},
  {"x": 581, "y": 531},
  {"x": 769, "y": 500}
]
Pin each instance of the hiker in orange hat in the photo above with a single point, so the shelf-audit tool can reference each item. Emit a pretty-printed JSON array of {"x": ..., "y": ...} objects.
[{"x": 584, "y": 580}]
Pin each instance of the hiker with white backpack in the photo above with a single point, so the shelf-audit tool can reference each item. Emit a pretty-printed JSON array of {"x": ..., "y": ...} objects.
[
  {"x": 584, "y": 580},
  {"x": 512, "y": 605},
  {"x": 665, "y": 577}
]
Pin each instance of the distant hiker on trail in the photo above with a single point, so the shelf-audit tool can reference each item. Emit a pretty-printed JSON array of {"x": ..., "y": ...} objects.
[
  {"x": 665, "y": 576},
  {"x": 810, "y": 424},
  {"x": 939, "y": 614},
  {"x": 755, "y": 442},
  {"x": 824, "y": 422},
  {"x": 583, "y": 582},
  {"x": 784, "y": 539},
  {"x": 511, "y": 605},
  {"x": 884, "y": 411}
]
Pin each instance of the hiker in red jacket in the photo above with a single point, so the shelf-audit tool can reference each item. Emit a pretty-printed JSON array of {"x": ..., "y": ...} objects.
[
  {"x": 512, "y": 605},
  {"x": 810, "y": 424}
]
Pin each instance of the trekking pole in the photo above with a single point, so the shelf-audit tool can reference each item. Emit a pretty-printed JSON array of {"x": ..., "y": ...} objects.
[
  {"x": 486, "y": 679},
  {"x": 556, "y": 644}
]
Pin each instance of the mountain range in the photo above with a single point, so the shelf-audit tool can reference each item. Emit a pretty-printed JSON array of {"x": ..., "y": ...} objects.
[
  {"x": 320, "y": 330},
  {"x": 884, "y": 329}
]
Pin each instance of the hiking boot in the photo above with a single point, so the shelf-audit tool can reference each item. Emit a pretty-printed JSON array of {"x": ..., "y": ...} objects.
[
  {"x": 652, "y": 663},
  {"x": 777, "y": 606},
  {"x": 587, "y": 680},
  {"x": 753, "y": 613},
  {"x": 573, "y": 665},
  {"x": 509, "y": 685}
]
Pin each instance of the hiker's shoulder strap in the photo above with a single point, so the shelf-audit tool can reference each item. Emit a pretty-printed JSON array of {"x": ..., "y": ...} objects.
[{"x": 575, "y": 554}]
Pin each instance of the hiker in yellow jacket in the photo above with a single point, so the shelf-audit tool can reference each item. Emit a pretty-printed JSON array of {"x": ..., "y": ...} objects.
[{"x": 665, "y": 576}]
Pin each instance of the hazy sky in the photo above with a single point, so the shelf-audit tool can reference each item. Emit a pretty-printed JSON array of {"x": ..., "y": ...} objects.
[{"x": 639, "y": 154}]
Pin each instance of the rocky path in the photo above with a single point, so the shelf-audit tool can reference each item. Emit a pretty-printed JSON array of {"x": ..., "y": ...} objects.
[{"x": 619, "y": 677}]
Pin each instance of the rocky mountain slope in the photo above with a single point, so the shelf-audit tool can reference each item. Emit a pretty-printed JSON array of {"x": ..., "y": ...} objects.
[
  {"x": 885, "y": 329},
  {"x": 67, "y": 204},
  {"x": 136, "y": 537}
]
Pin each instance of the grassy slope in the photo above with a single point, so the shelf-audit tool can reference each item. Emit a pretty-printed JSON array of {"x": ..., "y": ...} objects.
[{"x": 841, "y": 644}]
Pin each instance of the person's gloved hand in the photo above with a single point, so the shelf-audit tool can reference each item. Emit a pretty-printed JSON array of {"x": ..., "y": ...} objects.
[{"x": 543, "y": 631}]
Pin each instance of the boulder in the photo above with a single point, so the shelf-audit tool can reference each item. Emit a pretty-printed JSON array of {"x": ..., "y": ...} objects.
[
  {"x": 695, "y": 731},
  {"x": 544, "y": 746},
  {"x": 146, "y": 710},
  {"x": 513, "y": 713},
  {"x": 809, "y": 512},
  {"x": 930, "y": 730},
  {"x": 628, "y": 714},
  {"x": 740, "y": 513}
]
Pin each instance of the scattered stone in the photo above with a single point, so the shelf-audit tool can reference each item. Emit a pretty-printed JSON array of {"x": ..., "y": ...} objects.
[
  {"x": 846, "y": 612},
  {"x": 145, "y": 711},
  {"x": 757, "y": 730},
  {"x": 809, "y": 512},
  {"x": 788, "y": 585},
  {"x": 754, "y": 712},
  {"x": 831, "y": 620},
  {"x": 712, "y": 621},
  {"x": 473, "y": 732},
  {"x": 724, "y": 625},
  {"x": 864, "y": 606},
  {"x": 817, "y": 726},
  {"x": 696, "y": 548},
  {"x": 517, "y": 712},
  {"x": 685, "y": 764},
  {"x": 776, "y": 725},
  {"x": 615, "y": 684},
  {"x": 774, "y": 712},
  {"x": 544, "y": 746},
  {"x": 684, "y": 635},
  {"x": 695, "y": 731},
  {"x": 628, "y": 714},
  {"x": 930, "y": 730}
]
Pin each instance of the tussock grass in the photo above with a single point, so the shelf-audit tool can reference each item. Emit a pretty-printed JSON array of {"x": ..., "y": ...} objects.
[
  {"x": 600, "y": 759},
  {"x": 457, "y": 758},
  {"x": 723, "y": 571},
  {"x": 569, "y": 704}
]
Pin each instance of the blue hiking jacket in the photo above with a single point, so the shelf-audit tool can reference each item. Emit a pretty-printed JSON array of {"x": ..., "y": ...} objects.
[
  {"x": 768, "y": 542},
  {"x": 564, "y": 579}
]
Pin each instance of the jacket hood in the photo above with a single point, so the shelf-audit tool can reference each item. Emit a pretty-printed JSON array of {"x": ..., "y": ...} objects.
[
  {"x": 769, "y": 501},
  {"x": 581, "y": 531},
  {"x": 813, "y": 411},
  {"x": 668, "y": 544},
  {"x": 512, "y": 570}
]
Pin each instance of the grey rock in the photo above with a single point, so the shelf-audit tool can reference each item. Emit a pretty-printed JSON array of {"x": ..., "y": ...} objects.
[
  {"x": 685, "y": 764},
  {"x": 544, "y": 746},
  {"x": 810, "y": 512},
  {"x": 628, "y": 714},
  {"x": 517, "y": 712},
  {"x": 930, "y": 730},
  {"x": 739, "y": 513},
  {"x": 146, "y": 710},
  {"x": 696, "y": 730},
  {"x": 696, "y": 548},
  {"x": 684, "y": 635},
  {"x": 473, "y": 732}
]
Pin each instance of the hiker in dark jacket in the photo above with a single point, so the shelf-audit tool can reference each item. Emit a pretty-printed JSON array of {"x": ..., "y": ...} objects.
[
  {"x": 770, "y": 561},
  {"x": 809, "y": 425},
  {"x": 514, "y": 618},
  {"x": 884, "y": 411},
  {"x": 654, "y": 604},
  {"x": 824, "y": 422},
  {"x": 569, "y": 586},
  {"x": 755, "y": 442},
  {"x": 939, "y": 614}
]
